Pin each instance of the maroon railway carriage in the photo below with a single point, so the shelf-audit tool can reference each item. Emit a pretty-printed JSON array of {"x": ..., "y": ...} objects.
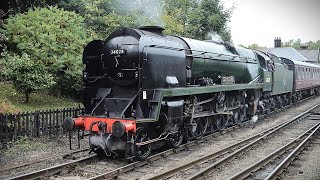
[{"x": 306, "y": 77}]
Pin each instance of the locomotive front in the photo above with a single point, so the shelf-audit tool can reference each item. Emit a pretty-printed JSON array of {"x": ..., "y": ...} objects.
[{"x": 111, "y": 76}]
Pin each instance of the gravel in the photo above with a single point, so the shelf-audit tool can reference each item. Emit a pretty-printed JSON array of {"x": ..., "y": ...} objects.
[
  {"x": 307, "y": 165},
  {"x": 25, "y": 151},
  {"x": 254, "y": 155}
]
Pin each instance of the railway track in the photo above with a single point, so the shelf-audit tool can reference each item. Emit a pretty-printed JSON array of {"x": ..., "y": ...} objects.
[
  {"x": 279, "y": 159},
  {"x": 67, "y": 158},
  {"x": 119, "y": 170},
  {"x": 64, "y": 156},
  {"x": 130, "y": 167},
  {"x": 204, "y": 165},
  {"x": 54, "y": 169}
]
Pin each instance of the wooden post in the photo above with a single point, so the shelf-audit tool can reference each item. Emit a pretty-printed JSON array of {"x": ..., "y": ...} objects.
[
  {"x": 15, "y": 127},
  {"x": 60, "y": 120},
  {"x": 50, "y": 121},
  {"x": 41, "y": 116},
  {"x": 6, "y": 128},
  {"x": 46, "y": 122},
  {"x": 27, "y": 125},
  {"x": 74, "y": 111},
  {"x": 63, "y": 114},
  {"x": 69, "y": 111},
  {"x": 31, "y": 125},
  {"x": 1, "y": 128},
  {"x": 57, "y": 122},
  {"x": 19, "y": 124},
  {"x": 23, "y": 115},
  {"x": 11, "y": 128},
  {"x": 37, "y": 120}
]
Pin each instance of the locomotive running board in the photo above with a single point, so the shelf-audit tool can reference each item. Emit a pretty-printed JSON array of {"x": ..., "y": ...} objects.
[{"x": 187, "y": 91}]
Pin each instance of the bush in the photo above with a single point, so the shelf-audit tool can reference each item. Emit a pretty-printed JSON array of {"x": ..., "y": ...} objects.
[
  {"x": 27, "y": 75},
  {"x": 54, "y": 38}
]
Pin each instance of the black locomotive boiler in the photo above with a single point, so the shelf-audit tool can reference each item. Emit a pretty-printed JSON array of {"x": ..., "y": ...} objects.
[{"x": 144, "y": 89}]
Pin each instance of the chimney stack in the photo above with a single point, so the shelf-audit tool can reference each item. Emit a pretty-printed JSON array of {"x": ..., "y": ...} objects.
[
  {"x": 277, "y": 42},
  {"x": 318, "y": 55}
]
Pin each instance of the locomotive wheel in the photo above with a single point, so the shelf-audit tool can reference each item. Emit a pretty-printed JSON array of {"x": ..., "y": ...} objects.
[
  {"x": 220, "y": 122},
  {"x": 211, "y": 125},
  {"x": 176, "y": 139},
  {"x": 236, "y": 116},
  {"x": 204, "y": 125},
  {"x": 242, "y": 114},
  {"x": 199, "y": 127},
  {"x": 142, "y": 152}
]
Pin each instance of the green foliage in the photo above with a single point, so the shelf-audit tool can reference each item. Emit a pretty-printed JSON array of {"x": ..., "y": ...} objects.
[
  {"x": 190, "y": 18},
  {"x": 199, "y": 18},
  {"x": 298, "y": 44},
  {"x": 173, "y": 25},
  {"x": 313, "y": 45},
  {"x": 12, "y": 101},
  {"x": 18, "y": 6},
  {"x": 52, "y": 37},
  {"x": 27, "y": 75},
  {"x": 255, "y": 46},
  {"x": 105, "y": 16}
]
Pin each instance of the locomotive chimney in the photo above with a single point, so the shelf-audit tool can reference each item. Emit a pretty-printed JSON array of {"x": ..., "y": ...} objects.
[
  {"x": 277, "y": 42},
  {"x": 318, "y": 55},
  {"x": 154, "y": 29}
]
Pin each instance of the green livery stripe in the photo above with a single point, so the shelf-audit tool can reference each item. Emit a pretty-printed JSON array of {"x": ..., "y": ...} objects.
[{"x": 207, "y": 89}]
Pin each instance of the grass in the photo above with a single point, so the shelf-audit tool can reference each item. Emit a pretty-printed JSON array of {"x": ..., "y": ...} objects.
[{"x": 12, "y": 102}]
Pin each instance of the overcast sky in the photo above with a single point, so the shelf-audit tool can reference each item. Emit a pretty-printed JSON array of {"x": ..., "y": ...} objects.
[{"x": 260, "y": 21}]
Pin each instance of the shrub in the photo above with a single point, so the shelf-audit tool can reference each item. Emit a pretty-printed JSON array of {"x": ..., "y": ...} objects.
[
  {"x": 54, "y": 38},
  {"x": 27, "y": 75}
]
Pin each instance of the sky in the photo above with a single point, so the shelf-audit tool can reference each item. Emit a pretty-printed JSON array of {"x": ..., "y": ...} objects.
[{"x": 260, "y": 21}]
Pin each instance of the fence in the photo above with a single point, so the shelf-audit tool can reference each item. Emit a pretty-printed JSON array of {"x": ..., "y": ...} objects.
[{"x": 34, "y": 124}]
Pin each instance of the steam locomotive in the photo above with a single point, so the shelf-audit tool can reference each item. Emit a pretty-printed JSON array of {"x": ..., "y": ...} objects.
[{"x": 144, "y": 89}]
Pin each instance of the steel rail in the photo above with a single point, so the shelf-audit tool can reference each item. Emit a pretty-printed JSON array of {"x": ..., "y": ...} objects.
[
  {"x": 263, "y": 162},
  {"x": 248, "y": 146},
  {"x": 118, "y": 171},
  {"x": 53, "y": 169},
  {"x": 64, "y": 156},
  {"x": 213, "y": 155},
  {"x": 279, "y": 169}
]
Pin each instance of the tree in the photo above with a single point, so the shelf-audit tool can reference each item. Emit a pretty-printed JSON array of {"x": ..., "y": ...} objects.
[
  {"x": 189, "y": 18},
  {"x": 105, "y": 16},
  {"x": 255, "y": 46},
  {"x": 287, "y": 44},
  {"x": 298, "y": 44},
  {"x": 52, "y": 37},
  {"x": 200, "y": 18},
  {"x": 313, "y": 45},
  {"x": 26, "y": 74},
  {"x": 172, "y": 25}
]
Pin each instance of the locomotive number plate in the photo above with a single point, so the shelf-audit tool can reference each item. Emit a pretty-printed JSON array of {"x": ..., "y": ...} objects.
[
  {"x": 227, "y": 80},
  {"x": 115, "y": 52}
]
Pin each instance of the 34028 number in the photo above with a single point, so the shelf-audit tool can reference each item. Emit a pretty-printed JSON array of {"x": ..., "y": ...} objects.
[{"x": 115, "y": 52}]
